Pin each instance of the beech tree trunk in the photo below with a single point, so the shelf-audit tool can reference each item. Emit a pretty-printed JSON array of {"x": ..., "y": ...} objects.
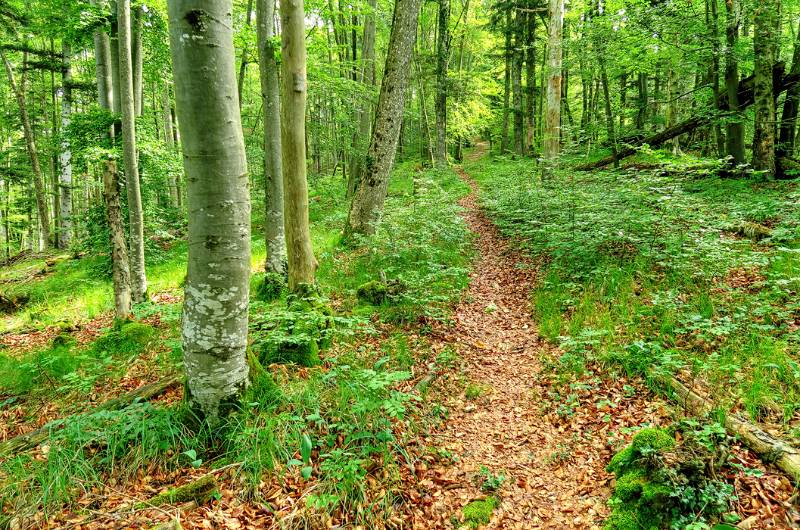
[
  {"x": 530, "y": 82},
  {"x": 442, "y": 60},
  {"x": 504, "y": 140},
  {"x": 33, "y": 153},
  {"x": 121, "y": 274},
  {"x": 365, "y": 112},
  {"x": 215, "y": 310},
  {"x": 294, "y": 87},
  {"x": 765, "y": 51},
  {"x": 114, "y": 59},
  {"x": 552, "y": 125},
  {"x": 734, "y": 139},
  {"x": 274, "y": 232},
  {"x": 786, "y": 133},
  {"x": 367, "y": 205},
  {"x": 65, "y": 155},
  {"x": 102, "y": 61},
  {"x": 516, "y": 89},
  {"x": 136, "y": 55},
  {"x": 135, "y": 216},
  {"x": 169, "y": 140}
]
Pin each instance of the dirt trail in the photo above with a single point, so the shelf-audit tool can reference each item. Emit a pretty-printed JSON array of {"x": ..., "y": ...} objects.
[{"x": 552, "y": 450}]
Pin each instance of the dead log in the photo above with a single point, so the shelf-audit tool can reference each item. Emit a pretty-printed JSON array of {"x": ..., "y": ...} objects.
[
  {"x": 746, "y": 99},
  {"x": 23, "y": 442},
  {"x": 767, "y": 447},
  {"x": 200, "y": 491}
]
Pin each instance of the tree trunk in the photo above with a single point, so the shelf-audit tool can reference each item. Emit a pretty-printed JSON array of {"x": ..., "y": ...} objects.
[
  {"x": 641, "y": 116},
  {"x": 137, "y": 57},
  {"x": 65, "y": 156},
  {"x": 786, "y": 134},
  {"x": 360, "y": 144},
  {"x": 765, "y": 50},
  {"x": 719, "y": 137},
  {"x": 504, "y": 141},
  {"x": 612, "y": 137},
  {"x": 169, "y": 140},
  {"x": 734, "y": 139},
  {"x": 273, "y": 172},
  {"x": 30, "y": 143},
  {"x": 121, "y": 273},
  {"x": 114, "y": 59},
  {"x": 102, "y": 60},
  {"x": 516, "y": 88},
  {"x": 135, "y": 216},
  {"x": 552, "y": 126},
  {"x": 245, "y": 55},
  {"x": 302, "y": 264},
  {"x": 442, "y": 60},
  {"x": 530, "y": 82},
  {"x": 365, "y": 210},
  {"x": 215, "y": 310}
]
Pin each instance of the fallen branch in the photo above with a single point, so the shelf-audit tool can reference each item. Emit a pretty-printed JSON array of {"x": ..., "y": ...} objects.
[
  {"x": 23, "y": 442},
  {"x": 199, "y": 491},
  {"x": 746, "y": 98},
  {"x": 770, "y": 449}
]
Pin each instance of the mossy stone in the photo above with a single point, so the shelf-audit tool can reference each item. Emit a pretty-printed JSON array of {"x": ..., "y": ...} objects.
[{"x": 373, "y": 292}]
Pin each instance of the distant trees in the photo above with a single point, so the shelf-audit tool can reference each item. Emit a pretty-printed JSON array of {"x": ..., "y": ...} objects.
[{"x": 215, "y": 310}]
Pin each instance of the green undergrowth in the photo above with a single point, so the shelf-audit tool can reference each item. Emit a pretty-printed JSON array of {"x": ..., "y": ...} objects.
[
  {"x": 672, "y": 478},
  {"x": 661, "y": 271},
  {"x": 324, "y": 406}
]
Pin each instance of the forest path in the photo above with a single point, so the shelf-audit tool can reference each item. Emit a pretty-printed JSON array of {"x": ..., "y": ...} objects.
[{"x": 552, "y": 450}]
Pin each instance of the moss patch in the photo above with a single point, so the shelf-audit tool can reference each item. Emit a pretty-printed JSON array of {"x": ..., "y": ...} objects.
[{"x": 479, "y": 512}]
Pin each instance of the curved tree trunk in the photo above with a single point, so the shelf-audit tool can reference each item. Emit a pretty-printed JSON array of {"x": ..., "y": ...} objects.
[
  {"x": 301, "y": 261},
  {"x": 273, "y": 169},
  {"x": 215, "y": 311},
  {"x": 135, "y": 216},
  {"x": 367, "y": 205}
]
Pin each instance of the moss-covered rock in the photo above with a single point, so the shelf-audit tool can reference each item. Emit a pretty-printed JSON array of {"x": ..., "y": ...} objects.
[
  {"x": 270, "y": 287},
  {"x": 373, "y": 292},
  {"x": 479, "y": 512}
]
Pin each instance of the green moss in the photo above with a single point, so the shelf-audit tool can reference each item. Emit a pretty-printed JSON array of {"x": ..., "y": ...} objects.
[
  {"x": 373, "y": 292},
  {"x": 479, "y": 512},
  {"x": 630, "y": 485},
  {"x": 128, "y": 338},
  {"x": 623, "y": 518},
  {"x": 271, "y": 287},
  {"x": 654, "y": 439},
  {"x": 621, "y": 460}
]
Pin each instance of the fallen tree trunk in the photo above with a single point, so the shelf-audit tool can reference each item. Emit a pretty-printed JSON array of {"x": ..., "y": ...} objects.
[
  {"x": 770, "y": 449},
  {"x": 199, "y": 491},
  {"x": 23, "y": 442},
  {"x": 745, "y": 99}
]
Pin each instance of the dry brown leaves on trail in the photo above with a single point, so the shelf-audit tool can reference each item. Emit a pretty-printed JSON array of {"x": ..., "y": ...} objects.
[{"x": 551, "y": 441}]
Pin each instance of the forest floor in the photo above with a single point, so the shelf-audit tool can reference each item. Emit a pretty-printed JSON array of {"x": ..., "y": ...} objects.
[{"x": 502, "y": 437}]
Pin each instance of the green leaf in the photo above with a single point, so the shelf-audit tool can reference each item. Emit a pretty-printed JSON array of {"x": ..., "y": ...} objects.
[
  {"x": 305, "y": 448},
  {"x": 306, "y": 472}
]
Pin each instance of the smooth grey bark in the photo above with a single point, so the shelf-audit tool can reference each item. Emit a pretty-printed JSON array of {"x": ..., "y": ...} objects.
[
  {"x": 65, "y": 155},
  {"x": 169, "y": 140},
  {"x": 367, "y": 204},
  {"x": 120, "y": 269},
  {"x": 102, "y": 61},
  {"x": 215, "y": 310},
  {"x": 114, "y": 59},
  {"x": 135, "y": 216},
  {"x": 442, "y": 60},
  {"x": 294, "y": 86},
  {"x": 274, "y": 232},
  {"x": 137, "y": 60},
  {"x": 33, "y": 153},
  {"x": 367, "y": 75}
]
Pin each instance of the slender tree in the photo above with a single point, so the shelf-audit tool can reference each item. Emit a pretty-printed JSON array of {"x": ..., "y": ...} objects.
[
  {"x": 552, "y": 125},
  {"x": 765, "y": 49},
  {"x": 442, "y": 60},
  {"x": 294, "y": 85},
  {"x": 367, "y": 204},
  {"x": 734, "y": 139},
  {"x": 120, "y": 268},
  {"x": 215, "y": 311},
  {"x": 65, "y": 155},
  {"x": 127, "y": 105},
  {"x": 274, "y": 232}
]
